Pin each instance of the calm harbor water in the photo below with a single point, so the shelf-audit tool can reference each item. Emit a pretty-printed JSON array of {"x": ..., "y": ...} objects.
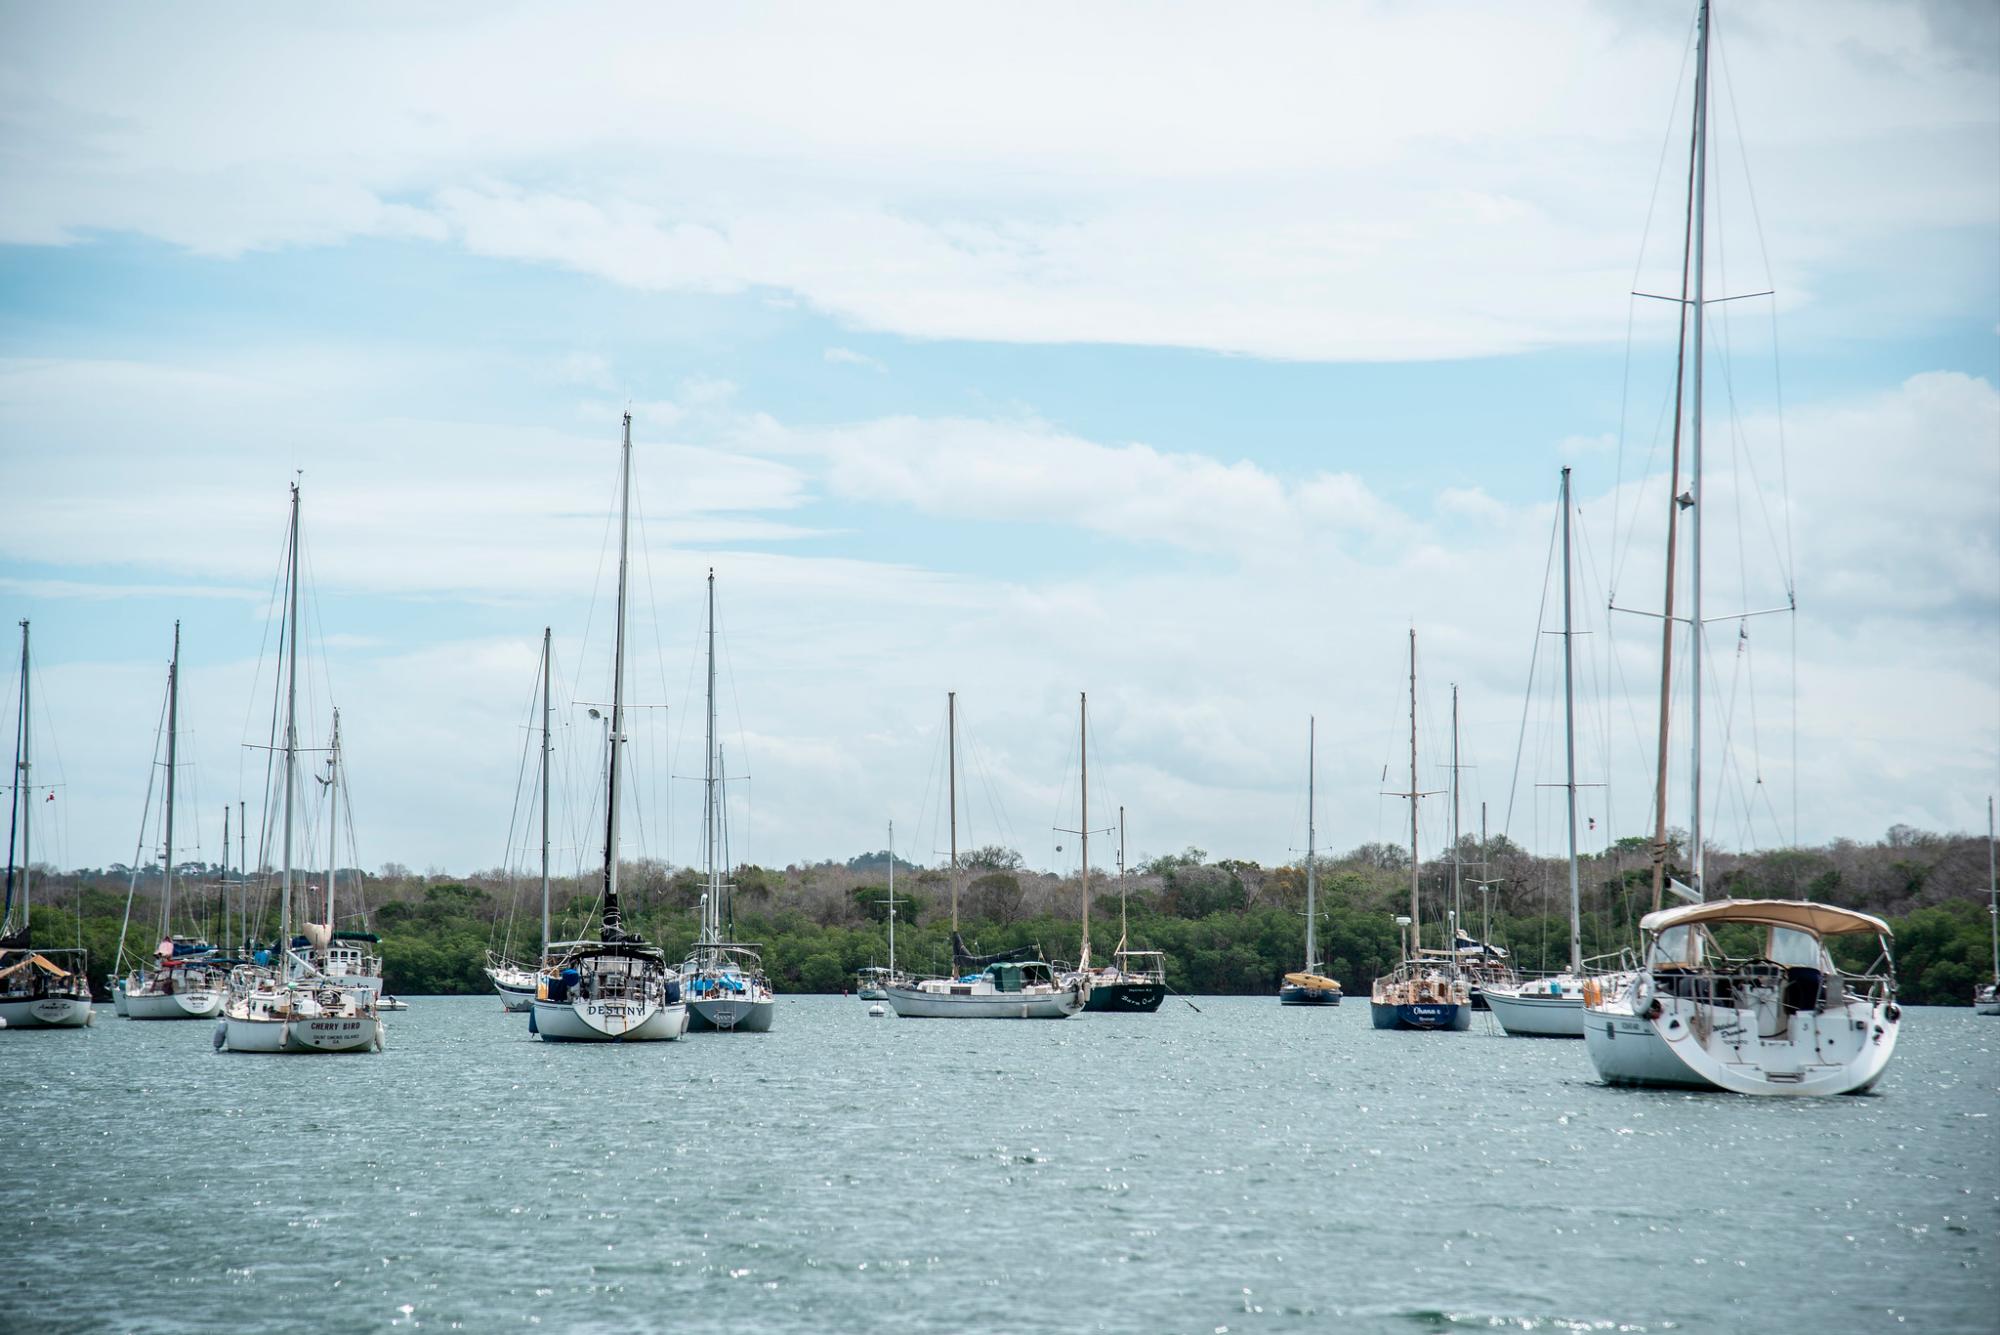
[{"x": 1249, "y": 1168}]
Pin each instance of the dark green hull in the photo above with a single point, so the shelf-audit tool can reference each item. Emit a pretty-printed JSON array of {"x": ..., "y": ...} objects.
[{"x": 1130, "y": 998}]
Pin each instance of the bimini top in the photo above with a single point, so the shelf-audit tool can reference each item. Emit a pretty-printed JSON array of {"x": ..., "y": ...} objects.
[{"x": 1819, "y": 919}]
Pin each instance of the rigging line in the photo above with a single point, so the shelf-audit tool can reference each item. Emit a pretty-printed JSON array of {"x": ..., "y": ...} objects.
[
  {"x": 1740, "y": 440},
  {"x": 1728, "y": 721},
  {"x": 1594, "y": 683},
  {"x": 1667, "y": 137},
  {"x": 1780, "y": 549},
  {"x": 1534, "y": 657},
  {"x": 736, "y": 703},
  {"x": 1624, "y": 397},
  {"x": 1631, "y": 528},
  {"x": 930, "y": 790},
  {"x": 1797, "y": 780},
  {"x": 660, "y": 661},
  {"x": 1003, "y": 827},
  {"x": 514, "y": 821},
  {"x": 145, "y": 814},
  {"x": 268, "y": 815},
  {"x": 1777, "y": 364},
  {"x": 353, "y": 845},
  {"x": 1756, "y": 735},
  {"x": 1625, "y": 691},
  {"x": 1061, "y": 814},
  {"x": 263, "y": 645}
]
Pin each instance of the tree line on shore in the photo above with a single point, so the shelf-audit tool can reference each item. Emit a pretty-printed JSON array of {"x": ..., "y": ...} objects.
[{"x": 1226, "y": 925}]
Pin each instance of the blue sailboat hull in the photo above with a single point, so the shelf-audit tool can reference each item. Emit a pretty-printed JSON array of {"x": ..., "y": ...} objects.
[{"x": 1421, "y": 1016}]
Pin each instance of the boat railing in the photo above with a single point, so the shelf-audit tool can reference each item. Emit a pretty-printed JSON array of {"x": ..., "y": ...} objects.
[
  {"x": 1732, "y": 983},
  {"x": 1622, "y": 960}
]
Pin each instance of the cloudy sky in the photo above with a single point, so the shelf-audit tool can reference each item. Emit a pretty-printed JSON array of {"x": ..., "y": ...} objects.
[{"x": 1185, "y": 356}]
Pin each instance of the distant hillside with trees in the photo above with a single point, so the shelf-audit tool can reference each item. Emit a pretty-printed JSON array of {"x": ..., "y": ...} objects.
[{"x": 1227, "y": 925}]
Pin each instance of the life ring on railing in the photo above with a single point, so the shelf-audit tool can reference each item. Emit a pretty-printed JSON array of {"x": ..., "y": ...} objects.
[{"x": 1592, "y": 993}]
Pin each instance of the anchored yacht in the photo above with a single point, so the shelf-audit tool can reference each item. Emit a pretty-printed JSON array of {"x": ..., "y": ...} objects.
[{"x": 1781, "y": 1018}]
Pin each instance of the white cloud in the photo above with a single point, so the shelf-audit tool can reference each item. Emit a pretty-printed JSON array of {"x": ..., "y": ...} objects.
[
  {"x": 1298, "y": 181},
  {"x": 1274, "y": 596},
  {"x": 849, "y": 357}
]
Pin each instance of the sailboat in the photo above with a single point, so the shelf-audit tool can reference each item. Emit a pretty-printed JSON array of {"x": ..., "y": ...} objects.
[
  {"x": 618, "y": 987},
  {"x": 1310, "y": 986},
  {"x": 1010, "y": 985},
  {"x": 1136, "y": 980},
  {"x": 723, "y": 980},
  {"x": 294, "y": 1003},
  {"x": 1426, "y": 990},
  {"x": 185, "y": 981},
  {"x": 516, "y": 982},
  {"x": 872, "y": 983},
  {"x": 1986, "y": 999},
  {"x": 1783, "y": 1019},
  {"x": 39, "y": 988},
  {"x": 1553, "y": 1007},
  {"x": 1480, "y": 962}
]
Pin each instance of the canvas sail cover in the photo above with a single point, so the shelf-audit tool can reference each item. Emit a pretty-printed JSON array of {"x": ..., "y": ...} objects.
[
  {"x": 41, "y": 962},
  {"x": 964, "y": 962},
  {"x": 1469, "y": 945}
]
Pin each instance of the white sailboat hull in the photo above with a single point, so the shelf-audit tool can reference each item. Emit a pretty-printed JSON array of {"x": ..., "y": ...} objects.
[
  {"x": 585, "y": 1021},
  {"x": 1841, "y": 1050},
  {"x": 918, "y": 1003},
  {"x": 46, "y": 1013},
  {"x": 118, "y": 997},
  {"x": 328, "y": 1033},
  {"x": 195, "y": 1004},
  {"x": 1538, "y": 1010},
  {"x": 516, "y": 987}
]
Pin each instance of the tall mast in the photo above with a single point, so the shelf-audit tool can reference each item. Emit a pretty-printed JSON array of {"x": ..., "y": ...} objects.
[
  {"x": 710, "y": 832},
  {"x": 21, "y": 811},
  {"x": 1083, "y": 750},
  {"x": 1457, "y": 864},
  {"x": 1485, "y": 882},
  {"x": 1993, "y": 890},
  {"x": 332, "y": 817},
  {"x": 1690, "y": 269},
  {"x": 243, "y": 866},
  {"x": 546, "y": 746},
  {"x": 1569, "y": 749},
  {"x": 225, "y": 875},
  {"x": 613, "y": 926},
  {"x": 724, "y": 931},
  {"x": 291, "y": 739},
  {"x": 1121, "y": 883},
  {"x": 14, "y": 790},
  {"x": 1416, "y": 922},
  {"x": 1694, "y": 475},
  {"x": 892, "y": 899},
  {"x": 1312, "y": 854},
  {"x": 173, "y": 726},
  {"x": 951, "y": 784}
]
